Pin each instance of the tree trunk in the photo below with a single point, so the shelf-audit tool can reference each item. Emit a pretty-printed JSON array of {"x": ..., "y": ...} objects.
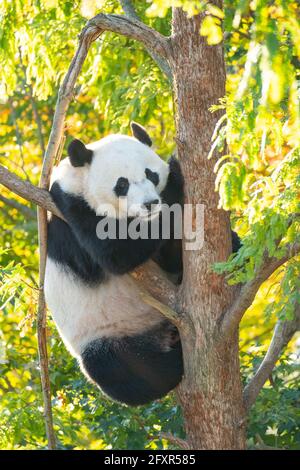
[{"x": 211, "y": 392}]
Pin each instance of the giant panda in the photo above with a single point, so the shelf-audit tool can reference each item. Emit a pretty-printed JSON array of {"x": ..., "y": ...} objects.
[{"x": 122, "y": 344}]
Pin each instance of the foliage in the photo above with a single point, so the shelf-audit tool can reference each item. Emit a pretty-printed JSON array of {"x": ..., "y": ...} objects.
[{"x": 257, "y": 179}]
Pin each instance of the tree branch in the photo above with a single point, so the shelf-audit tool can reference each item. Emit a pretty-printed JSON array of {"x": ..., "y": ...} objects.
[
  {"x": 135, "y": 29},
  {"x": 29, "y": 213},
  {"x": 153, "y": 279},
  {"x": 232, "y": 317},
  {"x": 130, "y": 13},
  {"x": 176, "y": 441},
  {"x": 28, "y": 191},
  {"x": 283, "y": 333}
]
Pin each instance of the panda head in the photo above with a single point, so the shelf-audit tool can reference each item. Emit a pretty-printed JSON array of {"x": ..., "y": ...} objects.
[{"x": 119, "y": 176}]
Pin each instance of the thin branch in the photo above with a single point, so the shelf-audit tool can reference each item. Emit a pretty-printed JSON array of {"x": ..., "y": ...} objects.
[
  {"x": 44, "y": 370},
  {"x": 29, "y": 213},
  {"x": 232, "y": 317},
  {"x": 130, "y": 13},
  {"x": 262, "y": 446},
  {"x": 176, "y": 441},
  {"x": 34, "y": 107},
  {"x": 153, "y": 279},
  {"x": 28, "y": 191},
  {"x": 37, "y": 120},
  {"x": 283, "y": 333},
  {"x": 18, "y": 133},
  {"x": 166, "y": 311}
]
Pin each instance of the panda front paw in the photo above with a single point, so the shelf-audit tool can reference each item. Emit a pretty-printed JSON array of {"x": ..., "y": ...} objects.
[{"x": 175, "y": 174}]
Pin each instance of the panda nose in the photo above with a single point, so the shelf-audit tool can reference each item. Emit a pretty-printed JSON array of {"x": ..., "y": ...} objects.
[{"x": 148, "y": 204}]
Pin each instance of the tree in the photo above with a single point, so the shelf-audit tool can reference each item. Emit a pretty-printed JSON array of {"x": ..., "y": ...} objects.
[{"x": 206, "y": 309}]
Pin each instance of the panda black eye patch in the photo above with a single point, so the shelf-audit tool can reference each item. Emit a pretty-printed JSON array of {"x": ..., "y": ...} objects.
[
  {"x": 152, "y": 176},
  {"x": 122, "y": 186}
]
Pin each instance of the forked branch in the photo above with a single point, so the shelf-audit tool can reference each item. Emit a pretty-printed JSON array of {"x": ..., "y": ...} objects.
[
  {"x": 232, "y": 317},
  {"x": 283, "y": 333}
]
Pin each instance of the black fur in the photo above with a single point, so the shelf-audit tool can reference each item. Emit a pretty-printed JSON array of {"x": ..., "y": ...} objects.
[
  {"x": 132, "y": 370},
  {"x": 64, "y": 248},
  {"x": 136, "y": 370},
  {"x": 236, "y": 242},
  {"x": 79, "y": 154},
  {"x": 122, "y": 186},
  {"x": 152, "y": 176},
  {"x": 117, "y": 256},
  {"x": 140, "y": 133},
  {"x": 169, "y": 256}
]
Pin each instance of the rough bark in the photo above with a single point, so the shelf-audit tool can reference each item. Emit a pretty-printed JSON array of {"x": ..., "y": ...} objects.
[
  {"x": 211, "y": 392},
  {"x": 204, "y": 307}
]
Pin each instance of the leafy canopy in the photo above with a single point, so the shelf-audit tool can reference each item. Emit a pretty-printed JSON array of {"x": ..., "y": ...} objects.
[{"x": 257, "y": 176}]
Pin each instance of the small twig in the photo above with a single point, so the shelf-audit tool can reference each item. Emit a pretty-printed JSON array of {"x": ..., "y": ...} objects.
[
  {"x": 152, "y": 279},
  {"x": 36, "y": 115},
  {"x": 162, "y": 308},
  {"x": 130, "y": 12},
  {"x": 44, "y": 370},
  {"x": 262, "y": 446},
  {"x": 18, "y": 134},
  {"x": 29, "y": 213},
  {"x": 283, "y": 333},
  {"x": 177, "y": 441}
]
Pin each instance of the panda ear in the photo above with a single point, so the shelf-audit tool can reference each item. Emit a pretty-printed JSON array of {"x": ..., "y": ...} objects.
[
  {"x": 140, "y": 133},
  {"x": 79, "y": 154}
]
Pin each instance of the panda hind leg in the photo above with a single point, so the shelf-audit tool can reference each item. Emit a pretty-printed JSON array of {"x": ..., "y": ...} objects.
[{"x": 135, "y": 370}]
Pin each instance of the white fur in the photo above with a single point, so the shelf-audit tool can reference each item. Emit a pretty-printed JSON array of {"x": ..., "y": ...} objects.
[
  {"x": 115, "y": 156},
  {"x": 82, "y": 313},
  {"x": 113, "y": 308}
]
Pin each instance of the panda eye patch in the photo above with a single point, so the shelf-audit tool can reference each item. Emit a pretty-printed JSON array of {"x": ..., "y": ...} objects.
[
  {"x": 122, "y": 186},
  {"x": 152, "y": 176}
]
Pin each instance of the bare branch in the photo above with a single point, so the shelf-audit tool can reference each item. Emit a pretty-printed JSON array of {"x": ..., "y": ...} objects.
[
  {"x": 28, "y": 191},
  {"x": 129, "y": 9},
  {"x": 44, "y": 370},
  {"x": 166, "y": 311},
  {"x": 29, "y": 213},
  {"x": 283, "y": 333},
  {"x": 153, "y": 279},
  {"x": 34, "y": 106},
  {"x": 176, "y": 441},
  {"x": 130, "y": 12},
  {"x": 232, "y": 317},
  {"x": 133, "y": 28}
]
